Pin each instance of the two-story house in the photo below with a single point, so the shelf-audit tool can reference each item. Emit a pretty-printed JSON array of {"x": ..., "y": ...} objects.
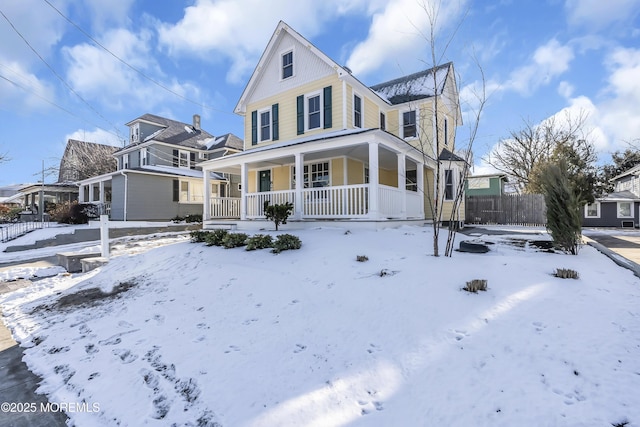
[
  {"x": 620, "y": 208},
  {"x": 337, "y": 149},
  {"x": 158, "y": 174}
]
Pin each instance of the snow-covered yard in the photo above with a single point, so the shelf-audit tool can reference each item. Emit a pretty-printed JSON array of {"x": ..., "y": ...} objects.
[{"x": 187, "y": 334}]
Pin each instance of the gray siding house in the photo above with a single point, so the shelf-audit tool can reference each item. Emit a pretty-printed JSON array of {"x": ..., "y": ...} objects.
[
  {"x": 158, "y": 174},
  {"x": 620, "y": 208}
]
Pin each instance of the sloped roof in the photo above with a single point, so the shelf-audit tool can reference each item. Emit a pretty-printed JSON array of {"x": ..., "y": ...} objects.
[
  {"x": 619, "y": 196},
  {"x": 633, "y": 171},
  {"x": 415, "y": 86},
  {"x": 185, "y": 135},
  {"x": 446, "y": 155}
]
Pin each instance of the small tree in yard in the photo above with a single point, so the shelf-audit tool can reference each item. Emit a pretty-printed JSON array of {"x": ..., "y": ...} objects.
[
  {"x": 563, "y": 208},
  {"x": 278, "y": 213}
]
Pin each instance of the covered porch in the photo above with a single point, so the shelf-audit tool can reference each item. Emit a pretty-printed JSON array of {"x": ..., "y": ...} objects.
[
  {"x": 362, "y": 175},
  {"x": 97, "y": 191}
]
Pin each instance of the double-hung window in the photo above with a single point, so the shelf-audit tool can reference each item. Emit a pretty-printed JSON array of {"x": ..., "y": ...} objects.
[
  {"x": 383, "y": 122},
  {"x": 183, "y": 159},
  {"x": 625, "y": 210},
  {"x": 287, "y": 65},
  {"x": 409, "y": 125},
  {"x": 592, "y": 210},
  {"x": 144, "y": 157},
  {"x": 314, "y": 175},
  {"x": 448, "y": 184},
  {"x": 265, "y": 125},
  {"x": 314, "y": 116},
  {"x": 357, "y": 111}
]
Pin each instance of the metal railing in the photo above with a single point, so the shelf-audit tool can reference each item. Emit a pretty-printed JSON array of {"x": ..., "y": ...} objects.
[{"x": 14, "y": 230}]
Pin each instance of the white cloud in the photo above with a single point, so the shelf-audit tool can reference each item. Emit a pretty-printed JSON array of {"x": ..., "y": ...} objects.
[
  {"x": 96, "y": 74},
  {"x": 597, "y": 14},
  {"x": 397, "y": 33},
  {"x": 22, "y": 89},
  {"x": 104, "y": 13},
  {"x": 566, "y": 89},
  {"x": 549, "y": 61},
  {"x": 239, "y": 30}
]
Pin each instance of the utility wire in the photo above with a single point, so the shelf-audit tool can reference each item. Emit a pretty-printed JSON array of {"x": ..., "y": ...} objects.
[
  {"x": 131, "y": 66},
  {"x": 55, "y": 73},
  {"x": 54, "y": 104}
]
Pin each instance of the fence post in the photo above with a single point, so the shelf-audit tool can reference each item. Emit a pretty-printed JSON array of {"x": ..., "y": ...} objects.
[{"x": 104, "y": 235}]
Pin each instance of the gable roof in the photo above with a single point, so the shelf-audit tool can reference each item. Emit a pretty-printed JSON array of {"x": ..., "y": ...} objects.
[
  {"x": 446, "y": 155},
  {"x": 82, "y": 157},
  {"x": 415, "y": 86},
  {"x": 185, "y": 135},
  {"x": 270, "y": 50},
  {"x": 633, "y": 171}
]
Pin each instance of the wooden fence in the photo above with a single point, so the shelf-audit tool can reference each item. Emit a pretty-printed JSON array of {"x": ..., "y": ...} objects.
[{"x": 516, "y": 209}]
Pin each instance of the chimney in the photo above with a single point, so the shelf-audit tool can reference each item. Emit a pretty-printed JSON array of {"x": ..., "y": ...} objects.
[{"x": 196, "y": 121}]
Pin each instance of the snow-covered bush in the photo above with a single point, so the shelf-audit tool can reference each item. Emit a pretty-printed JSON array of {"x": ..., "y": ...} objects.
[
  {"x": 214, "y": 238},
  {"x": 234, "y": 240},
  {"x": 476, "y": 285},
  {"x": 286, "y": 242},
  {"x": 259, "y": 241}
]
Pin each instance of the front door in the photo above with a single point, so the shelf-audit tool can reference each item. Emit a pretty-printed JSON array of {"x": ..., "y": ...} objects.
[{"x": 265, "y": 181}]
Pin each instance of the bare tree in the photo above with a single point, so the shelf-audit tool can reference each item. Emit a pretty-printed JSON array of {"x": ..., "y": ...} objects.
[
  {"x": 432, "y": 143},
  {"x": 521, "y": 153},
  {"x": 82, "y": 160}
]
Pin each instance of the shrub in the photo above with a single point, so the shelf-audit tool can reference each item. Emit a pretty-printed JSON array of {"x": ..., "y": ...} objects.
[
  {"x": 278, "y": 213},
  {"x": 214, "y": 238},
  {"x": 193, "y": 218},
  {"x": 198, "y": 236},
  {"x": 475, "y": 285},
  {"x": 234, "y": 240},
  {"x": 9, "y": 214},
  {"x": 74, "y": 213},
  {"x": 176, "y": 219},
  {"x": 362, "y": 258},
  {"x": 259, "y": 241},
  {"x": 286, "y": 242},
  {"x": 566, "y": 273}
]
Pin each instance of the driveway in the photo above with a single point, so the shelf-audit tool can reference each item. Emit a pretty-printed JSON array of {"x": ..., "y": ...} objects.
[{"x": 623, "y": 243}]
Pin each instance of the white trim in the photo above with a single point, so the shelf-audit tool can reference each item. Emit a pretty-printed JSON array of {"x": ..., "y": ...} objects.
[
  {"x": 586, "y": 210},
  {"x": 631, "y": 208},
  {"x": 308, "y": 96},
  {"x": 293, "y": 64},
  {"x": 401, "y": 123},
  {"x": 260, "y": 113}
]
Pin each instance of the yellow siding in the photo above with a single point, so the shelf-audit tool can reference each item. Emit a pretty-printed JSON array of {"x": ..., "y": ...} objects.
[
  {"x": 280, "y": 178},
  {"x": 428, "y": 190},
  {"x": 337, "y": 171},
  {"x": 287, "y": 110},
  {"x": 355, "y": 172},
  {"x": 371, "y": 114},
  {"x": 392, "y": 122},
  {"x": 446, "y": 212},
  {"x": 388, "y": 177},
  {"x": 252, "y": 178}
]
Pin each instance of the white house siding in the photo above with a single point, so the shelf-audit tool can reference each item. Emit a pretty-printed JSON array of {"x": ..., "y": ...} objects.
[{"x": 307, "y": 68}]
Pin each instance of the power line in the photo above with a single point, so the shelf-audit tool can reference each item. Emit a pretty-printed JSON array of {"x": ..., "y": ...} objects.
[
  {"x": 131, "y": 66},
  {"x": 53, "y": 103},
  {"x": 56, "y": 74}
]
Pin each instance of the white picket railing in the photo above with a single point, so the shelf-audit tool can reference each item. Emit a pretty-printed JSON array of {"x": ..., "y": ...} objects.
[
  {"x": 347, "y": 201},
  {"x": 389, "y": 201},
  {"x": 415, "y": 205},
  {"x": 225, "y": 207},
  {"x": 255, "y": 201}
]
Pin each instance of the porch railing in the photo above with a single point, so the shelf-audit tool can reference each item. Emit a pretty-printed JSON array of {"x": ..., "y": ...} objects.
[
  {"x": 255, "y": 201},
  {"x": 389, "y": 201},
  {"x": 347, "y": 201},
  {"x": 14, "y": 230},
  {"x": 415, "y": 205},
  {"x": 225, "y": 207}
]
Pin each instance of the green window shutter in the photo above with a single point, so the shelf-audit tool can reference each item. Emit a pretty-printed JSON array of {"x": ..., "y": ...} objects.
[
  {"x": 175, "y": 158},
  {"x": 176, "y": 190},
  {"x": 275, "y": 131},
  {"x": 327, "y": 107},
  {"x": 254, "y": 127},
  {"x": 300, "y": 114}
]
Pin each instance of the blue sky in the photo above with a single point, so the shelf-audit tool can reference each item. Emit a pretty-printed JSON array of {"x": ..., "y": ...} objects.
[{"x": 540, "y": 58}]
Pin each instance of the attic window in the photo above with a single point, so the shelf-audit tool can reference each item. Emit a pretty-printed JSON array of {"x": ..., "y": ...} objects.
[
  {"x": 287, "y": 65},
  {"x": 135, "y": 133},
  {"x": 409, "y": 128}
]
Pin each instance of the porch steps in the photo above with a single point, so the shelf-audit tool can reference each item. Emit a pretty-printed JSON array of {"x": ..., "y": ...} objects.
[
  {"x": 219, "y": 225},
  {"x": 72, "y": 261}
]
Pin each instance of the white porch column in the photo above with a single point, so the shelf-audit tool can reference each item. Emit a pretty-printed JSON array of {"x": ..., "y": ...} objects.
[
  {"x": 298, "y": 208},
  {"x": 91, "y": 192},
  {"x": 402, "y": 179},
  {"x": 373, "y": 180},
  {"x": 101, "y": 195},
  {"x": 420, "y": 179},
  {"x": 206, "y": 207},
  {"x": 244, "y": 181},
  {"x": 80, "y": 194}
]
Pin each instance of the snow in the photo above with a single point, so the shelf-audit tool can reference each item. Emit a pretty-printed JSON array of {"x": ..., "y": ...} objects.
[
  {"x": 197, "y": 335},
  {"x": 420, "y": 86}
]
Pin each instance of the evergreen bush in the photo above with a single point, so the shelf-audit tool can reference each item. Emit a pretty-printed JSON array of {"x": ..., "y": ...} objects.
[
  {"x": 214, "y": 238},
  {"x": 563, "y": 208},
  {"x": 286, "y": 242},
  {"x": 259, "y": 241},
  {"x": 278, "y": 213},
  {"x": 198, "y": 236},
  {"x": 234, "y": 240}
]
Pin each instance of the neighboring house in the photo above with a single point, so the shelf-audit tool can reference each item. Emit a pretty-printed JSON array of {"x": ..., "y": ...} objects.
[
  {"x": 620, "y": 208},
  {"x": 485, "y": 185},
  {"x": 158, "y": 174},
  {"x": 335, "y": 148}
]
